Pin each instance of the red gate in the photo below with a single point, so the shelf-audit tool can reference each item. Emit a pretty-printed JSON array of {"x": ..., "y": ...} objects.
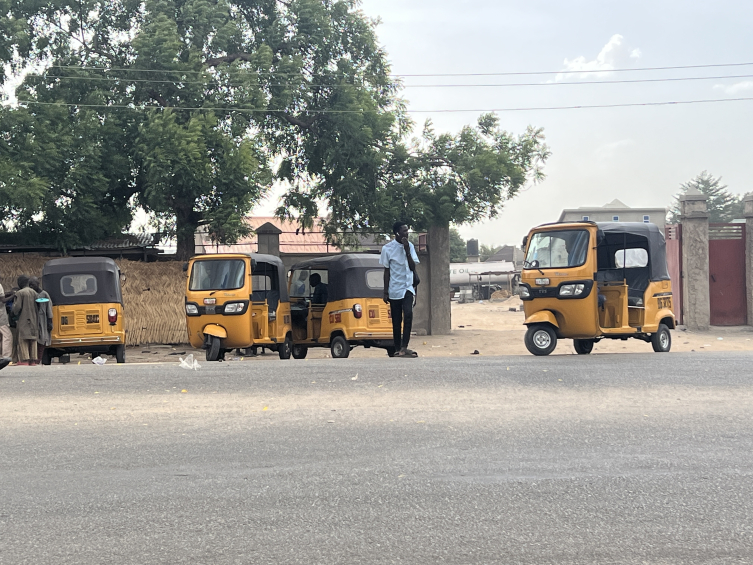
[
  {"x": 673, "y": 233},
  {"x": 727, "y": 275}
]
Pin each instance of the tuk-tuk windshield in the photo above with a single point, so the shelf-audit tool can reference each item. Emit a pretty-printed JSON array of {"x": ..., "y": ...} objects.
[
  {"x": 217, "y": 274},
  {"x": 557, "y": 249}
]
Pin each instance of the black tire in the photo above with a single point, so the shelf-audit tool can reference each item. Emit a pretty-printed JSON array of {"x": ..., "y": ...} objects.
[
  {"x": 120, "y": 353},
  {"x": 540, "y": 339},
  {"x": 254, "y": 350},
  {"x": 661, "y": 341},
  {"x": 65, "y": 358},
  {"x": 283, "y": 350},
  {"x": 583, "y": 346},
  {"x": 391, "y": 351},
  {"x": 213, "y": 348},
  {"x": 299, "y": 351},
  {"x": 46, "y": 357},
  {"x": 339, "y": 347}
]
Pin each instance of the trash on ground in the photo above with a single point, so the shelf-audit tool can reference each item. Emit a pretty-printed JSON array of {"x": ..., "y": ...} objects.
[
  {"x": 99, "y": 361},
  {"x": 189, "y": 363},
  {"x": 475, "y": 352},
  {"x": 354, "y": 378}
]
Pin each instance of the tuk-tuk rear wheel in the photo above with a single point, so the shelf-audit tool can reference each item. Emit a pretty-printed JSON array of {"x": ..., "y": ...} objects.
[
  {"x": 661, "y": 341},
  {"x": 340, "y": 348},
  {"x": 284, "y": 348},
  {"x": 583, "y": 346},
  {"x": 120, "y": 353},
  {"x": 213, "y": 348},
  {"x": 540, "y": 339},
  {"x": 299, "y": 351}
]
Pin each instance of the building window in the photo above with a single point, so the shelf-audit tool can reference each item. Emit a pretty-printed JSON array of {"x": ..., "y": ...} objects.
[
  {"x": 615, "y": 218},
  {"x": 585, "y": 218},
  {"x": 646, "y": 219}
]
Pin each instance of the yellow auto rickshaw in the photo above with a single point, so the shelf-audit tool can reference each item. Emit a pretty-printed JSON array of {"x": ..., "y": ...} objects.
[
  {"x": 589, "y": 281},
  {"x": 87, "y": 307},
  {"x": 237, "y": 301},
  {"x": 336, "y": 302}
]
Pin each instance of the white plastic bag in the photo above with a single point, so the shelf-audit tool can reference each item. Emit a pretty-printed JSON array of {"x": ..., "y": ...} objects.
[
  {"x": 99, "y": 360},
  {"x": 189, "y": 363}
]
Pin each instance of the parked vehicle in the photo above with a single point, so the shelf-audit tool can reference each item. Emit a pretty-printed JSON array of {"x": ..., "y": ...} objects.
[
  {"x": 87, "y": 307},
  {"x": 589, "y": 281},
  {"x": 237, "y": 301},
  {"x": 353, "y": 312}
]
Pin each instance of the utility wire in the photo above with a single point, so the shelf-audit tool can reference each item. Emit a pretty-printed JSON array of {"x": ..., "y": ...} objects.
[
  {"x": 522, "y": 73},
  {"x": 439, "y": 111},
  {"x": 218, "y": 83}
]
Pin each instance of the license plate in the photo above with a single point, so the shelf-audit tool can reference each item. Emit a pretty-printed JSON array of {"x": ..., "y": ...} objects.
[
  {"x": 210, "y": 301},
  {"x": 542, "y": 282},
  {"x": 92, "y": 318},
  {"x": 210, "y": 309}
]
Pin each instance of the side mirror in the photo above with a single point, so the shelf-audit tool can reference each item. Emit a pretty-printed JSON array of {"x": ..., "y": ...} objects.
[{"x": 185, "y": 267}]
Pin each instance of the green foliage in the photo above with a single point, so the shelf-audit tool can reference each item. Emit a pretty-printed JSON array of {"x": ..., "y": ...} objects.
[
  {"x": 722, "y": 206},
  {"x": 457, "y": 247}
]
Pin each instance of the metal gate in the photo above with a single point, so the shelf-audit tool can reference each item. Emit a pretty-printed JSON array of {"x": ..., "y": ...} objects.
[
  {"x": 727, "y": 275},
  {"x": 673, "y": 235}
]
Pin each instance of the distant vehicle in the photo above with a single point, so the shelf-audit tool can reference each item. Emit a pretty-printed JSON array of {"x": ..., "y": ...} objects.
[{"x": 488, "y": 274}]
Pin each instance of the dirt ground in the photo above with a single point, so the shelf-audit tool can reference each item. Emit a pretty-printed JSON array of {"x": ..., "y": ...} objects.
[{"x": 490, "y": 328}]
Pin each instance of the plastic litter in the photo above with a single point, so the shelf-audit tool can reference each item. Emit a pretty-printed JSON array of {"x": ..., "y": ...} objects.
[
  {"x": 99, "y": 360},
  {"x": 189, "y": 363}
]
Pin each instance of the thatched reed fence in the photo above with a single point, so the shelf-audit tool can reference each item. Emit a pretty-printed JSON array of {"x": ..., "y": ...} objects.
[{"x": 152, "y": 296}]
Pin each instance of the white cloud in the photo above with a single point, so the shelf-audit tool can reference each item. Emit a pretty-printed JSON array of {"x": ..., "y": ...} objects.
[
  {"x": 615, "y": 54},
  {"x": 735, "y": 88}
]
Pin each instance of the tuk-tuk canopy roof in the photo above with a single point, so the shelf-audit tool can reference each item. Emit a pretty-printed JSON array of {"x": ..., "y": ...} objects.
[
  {"x": 67, "y": 282},
  {"x": 637, "y": 234},
  {"x": 347, "y": 274}
]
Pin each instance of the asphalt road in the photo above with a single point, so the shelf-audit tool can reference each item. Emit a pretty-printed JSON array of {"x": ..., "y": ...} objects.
[{"x": 599, "y": 459}]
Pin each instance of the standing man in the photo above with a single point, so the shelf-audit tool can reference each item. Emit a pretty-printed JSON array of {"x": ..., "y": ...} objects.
[
  {"x": 6, "y": 337},
  {"x": 399, "y": 261},
  {"x": 25, "y": 307},
  {"x": 44, "y": 317}
]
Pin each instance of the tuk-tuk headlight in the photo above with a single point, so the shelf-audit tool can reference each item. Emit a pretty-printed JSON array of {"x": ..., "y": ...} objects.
[
  {"x": 572, "y": 289},
  {"x": 524, "y": 292},
  {"x": 234, "y": 307},
  {"x": 192, "y": 309}
]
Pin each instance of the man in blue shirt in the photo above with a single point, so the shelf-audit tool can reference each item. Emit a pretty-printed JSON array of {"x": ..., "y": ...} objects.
[{"x": 399, "y": 261}]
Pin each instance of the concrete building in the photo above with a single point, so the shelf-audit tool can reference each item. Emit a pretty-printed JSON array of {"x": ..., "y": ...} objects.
[{"x": 615, "y": 211}]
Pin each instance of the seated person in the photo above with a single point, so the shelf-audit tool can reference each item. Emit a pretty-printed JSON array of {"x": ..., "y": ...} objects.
[{"x": 320, "y": 289}]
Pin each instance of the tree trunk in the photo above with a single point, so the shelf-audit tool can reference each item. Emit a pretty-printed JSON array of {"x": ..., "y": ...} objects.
[
  {"x": 186, "y": 223},
  {"x": 440, "y": 322}
]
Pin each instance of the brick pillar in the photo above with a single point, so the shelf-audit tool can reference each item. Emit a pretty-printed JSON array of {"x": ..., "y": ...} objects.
[
  {"x": 748, "y": 210},
  {"x": 694, "y": 218}
]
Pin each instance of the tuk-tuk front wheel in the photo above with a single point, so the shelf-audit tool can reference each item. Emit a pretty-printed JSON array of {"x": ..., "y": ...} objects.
[
  {"x": 284, "y": 348},
  {"x": 340, "y": 348},
  {"x": 299, "y": 351},
  {"x": 213, "y": 348},
  {"x": 540, "y": 339},
  {"x": 120, "y": 353},
  {"x": 661, "y": 341},
  {"x": 583, "y": 346}
]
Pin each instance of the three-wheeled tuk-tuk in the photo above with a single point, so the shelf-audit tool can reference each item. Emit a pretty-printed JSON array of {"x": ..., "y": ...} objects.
[
  {"x": 589, "y": 281},
  {"x": 336, "y": 302},
  {"x": 87, "y": 307},
  {"x": 237, "y": 301}
]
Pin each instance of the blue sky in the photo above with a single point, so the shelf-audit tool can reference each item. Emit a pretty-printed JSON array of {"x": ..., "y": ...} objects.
[{"x": 639, "y": 155}]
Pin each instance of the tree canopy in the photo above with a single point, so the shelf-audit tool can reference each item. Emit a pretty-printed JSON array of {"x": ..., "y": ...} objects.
[
  {"x": 722, "y": 205},
  {"x": 189, "y": 109}
]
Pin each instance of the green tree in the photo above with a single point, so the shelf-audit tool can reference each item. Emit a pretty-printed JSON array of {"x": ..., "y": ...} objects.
[
  {"x": 457, "y": 247},
  {"x": 486, "y": 251},
  {"x": 722, "y": 205}
]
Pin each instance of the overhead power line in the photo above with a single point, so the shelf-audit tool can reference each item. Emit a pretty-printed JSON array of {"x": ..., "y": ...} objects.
[
  {"x": 398, "y": 75},
  {"x": 437, "y": 111},
  {"x": 215, "y": 82}
]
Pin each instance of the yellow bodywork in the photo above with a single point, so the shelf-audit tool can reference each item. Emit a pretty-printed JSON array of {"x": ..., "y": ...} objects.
[
  {"x": 338, "y": 317},
  {"x": 84, "y": 325},
  {"x": 257, "y": 326},
  {"x": 582, "y": 318}
]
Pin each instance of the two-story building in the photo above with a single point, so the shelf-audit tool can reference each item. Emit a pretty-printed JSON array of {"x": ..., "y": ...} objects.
[{"x": 615, "y": 211}]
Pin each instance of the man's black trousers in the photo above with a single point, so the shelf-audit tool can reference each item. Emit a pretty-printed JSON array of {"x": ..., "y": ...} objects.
[{"x": 402, "y": 315}]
